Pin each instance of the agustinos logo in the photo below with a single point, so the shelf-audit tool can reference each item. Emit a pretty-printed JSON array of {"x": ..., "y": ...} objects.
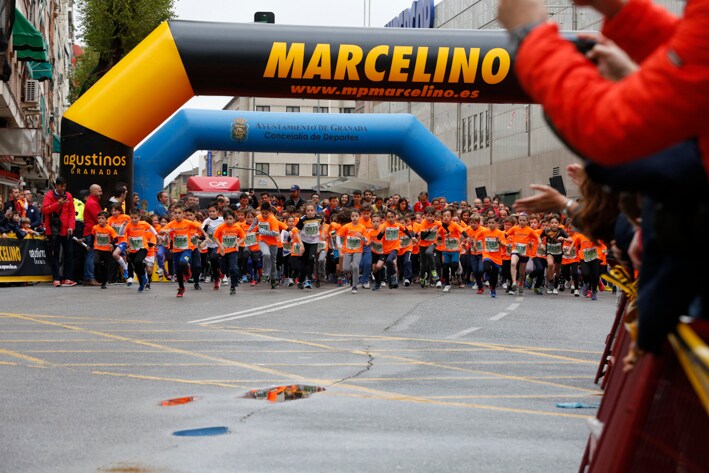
[{"x": 94, "y": 164}]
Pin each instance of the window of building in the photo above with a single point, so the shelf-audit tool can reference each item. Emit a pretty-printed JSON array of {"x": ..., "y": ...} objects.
[
  {"x": 475, "y": 131},
  {"x": 263, "y": 108},
  {"x": 482, "y": 136},
  {"x": 292, "y": 169},
  {"x": 463, "y": 137},
  {"x": 323, "y": 169},
  {"x": 320, "y": 110},
  {"x": 347, "y": 110},
  {"x": 347, "y": 170},
  {"x": 292, "y": 109},
  {"x": 261, "y": 168},
  {"x": 487, "y": 128},
  {"x": 467, "y": 132}
]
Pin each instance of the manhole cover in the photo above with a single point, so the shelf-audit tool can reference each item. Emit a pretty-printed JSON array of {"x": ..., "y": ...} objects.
[
  {"x": 283, "y": 393},
  {"x": 203, "y": 432}
]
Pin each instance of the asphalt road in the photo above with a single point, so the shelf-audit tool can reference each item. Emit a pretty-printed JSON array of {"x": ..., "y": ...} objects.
[{"x": 416, "y": 380}]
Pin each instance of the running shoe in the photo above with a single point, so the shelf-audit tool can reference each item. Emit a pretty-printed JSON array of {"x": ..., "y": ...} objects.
[
  {"x": 538, "y": 291},
  {"x": 407, "y": 283},
  {"x": 180, "y": 292},
  {"x": 493, "y": 293},
  {"x": 290, "y": 282},
  {"x": 550, "y": 290},
  {"x": 556, "y": 291},
  {"x": 393, "y": 283},
  {"x": 103, "y": 286},
  {"x": 317, "y": 283},
  {"x": 576, "y": 293},
  {"x": 300, "y": 285},
  {"x": 434, "y": 274},
  {"x": 308, "y": 285},
  {"x": 376, "y": 286},
  {"x": 354, "y": 289},
  {"x": 143, "y": 283},
  {"x": 447, "y": 288},
  {"x": 57, "y": 284},
  {"x": 129, "y": 282},
  {"x": 274, "y": 284},
  {"x": 217, "y": 283},
  {"x": 513, "y": 288},
  {"x": 253, "y": 283},
  {"x": 125, "y": 274},
  {"x": 593, "y": 296},
  {"x": 68, "y": 283},
  {"x": 480, "y": 291},
  {"x": 244, "y": 278},
  {"x": 365, "y": 285},
  {"x": 520, "y": 291},
  {"x": 197, "y": 287},
  {"x": 423, "y": 282},
  {"x": 439, "y": 284},
  {"x": 232, "y": 291}
]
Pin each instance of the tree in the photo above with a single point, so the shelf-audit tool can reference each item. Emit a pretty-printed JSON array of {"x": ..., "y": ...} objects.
[{"x": 111, "y": 29}]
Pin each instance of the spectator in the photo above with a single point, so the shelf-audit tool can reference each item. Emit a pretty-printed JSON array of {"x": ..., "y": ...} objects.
[
  {"x": 368, "y": 197},
  {"x": 356, "y": 202},
  {"x": 422, "y": 203},
  {"x": 136, "y": 201},
  {"x": 15, "y": 202},
  {"x": 91, "y": 211},
  {"x": 244, "y": 202},
  {"x": 32, "y": 212},
  {"x": 161, "y": 209},
  {"x": 59, "y": 223},
  {"x": 295, "y": 199},
  {"x": 316, "y": 200},
  {"x": 344, "y": 200},
  {"x": 120, "y": 191}
]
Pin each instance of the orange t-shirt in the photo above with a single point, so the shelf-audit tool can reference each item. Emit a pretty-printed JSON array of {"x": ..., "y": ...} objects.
[
  {"x": 351, "y": 242},
  {"x": 493, "y": 244},
  {"x": 103, "y": 237},
  {"x": 450, "y": 237},
  {"x": 425, "y": 226},
  {"x": 391, "y": 241},
  {"x": 377, "y": 244},
  {"x": 252, "y": 237},
  {"x": 570, "y": 250},
  {"x": 271, "y": 224},
  {"x": 227, "y": 236},
  {"x": 181, "y": 234},
  {"x": 136, "y": 236},
  {"x": 523, "y": 240},
  {"x": 119, "y": 225},
  {"x": 588, "y": 251}
]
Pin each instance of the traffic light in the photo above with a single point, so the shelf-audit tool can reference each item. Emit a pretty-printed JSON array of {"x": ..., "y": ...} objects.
[
  {"x": 224, "y": 171},
  {"x": 264, "y": 17}
]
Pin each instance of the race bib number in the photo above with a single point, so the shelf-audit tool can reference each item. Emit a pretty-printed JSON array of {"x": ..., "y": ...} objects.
[
  {"x": 287, "y": 246},
  {"x": 590, "y": 254},
  {"x": 103, "y": 240},
  {"x": 251, "y": 239},
  {"x": 571, "y": 252},
  {"x": 492, "y": 245},
  {"x": 405, "y": 241},
  {"x": 431, "y": 237},
  {"x": 310, "y": 229},
  {"x": 136, "y": 243},
  {"x": 520, "y": 249},
  {"x": 377, "y": 247},
  {"x": 321, "y": 246},
  {"x": 452, "y": 244},
  {"x": 508, "y": 248},
  {"x": 120, "y": 229},
  {"x": 297, "y": 248},
  {"x": 229, "y": 241},
  {"x": 181, "y": 242},
  {"x": 353, "y": 243},
  {"x": 479, "y": 246},
  {"x": 542, "y": 250},
  {"x": 391, "y": 233},
  {"x": 264, "y": 227},
  {"x": 554, "y": 248}
]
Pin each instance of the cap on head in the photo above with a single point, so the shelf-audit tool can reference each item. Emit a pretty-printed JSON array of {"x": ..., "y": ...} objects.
[{"x": 294, "y": 187}]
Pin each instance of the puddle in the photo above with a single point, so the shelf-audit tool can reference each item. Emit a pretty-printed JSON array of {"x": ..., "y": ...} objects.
[
  {"x": 283, "y": 393},
  {"x": 177, "y": 401},
  {"x": 203, "y": 432}
]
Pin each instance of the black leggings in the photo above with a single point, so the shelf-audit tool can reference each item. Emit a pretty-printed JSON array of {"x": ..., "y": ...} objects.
[
  {"x": 307, "y": 261},
  {"x": 492, "y": 270},
  {"x": 570, "y": 272},
  {"x": 591, "y": 271},
  {"x": 138, "y": 261}
]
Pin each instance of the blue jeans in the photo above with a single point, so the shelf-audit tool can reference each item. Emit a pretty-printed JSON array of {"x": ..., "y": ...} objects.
[
  {"x": 230, "y": 264},
  {"x": 366, "y": 264},
  {"x": 89, "y": 262}
]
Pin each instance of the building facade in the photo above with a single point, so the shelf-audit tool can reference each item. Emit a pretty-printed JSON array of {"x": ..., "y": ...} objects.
[{"x": 36, "y": 55}]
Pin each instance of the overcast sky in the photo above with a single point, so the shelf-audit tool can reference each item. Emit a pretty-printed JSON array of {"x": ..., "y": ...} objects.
[{"x": 292, "y": 12}]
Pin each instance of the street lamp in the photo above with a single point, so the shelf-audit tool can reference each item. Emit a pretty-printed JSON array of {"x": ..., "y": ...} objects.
[{"x": 260, "y": 172}]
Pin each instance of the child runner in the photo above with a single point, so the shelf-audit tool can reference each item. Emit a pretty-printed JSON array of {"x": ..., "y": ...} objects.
[
  {"x": 353, "y": 238},
  {"x": 377, "y": 250},
  {"x": 118, "y": 221},
  {"x": 524, "y": 240},
  {"x": 228, "y": 237},
  {"x": 553, "y": 239},
  {"x": 137, "y": 236},
  {"x": 570, "y": 260},
  {"x": 390, "y": 233},
  {"x": 210, "y": 225},
  {"x": 269, "y": 228},
  {"x": 493, "y": 241},
  {"x": 427, "y": 232},
  {"x": 309, "y": 228},
  {"x": 104, "y": 237},
  {"x": 450, "y": 232}
]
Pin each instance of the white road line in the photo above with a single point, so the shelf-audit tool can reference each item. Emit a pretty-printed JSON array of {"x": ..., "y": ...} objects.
[
  {"x": 513, "y": 306},
  {"x": 464, "y": 332},
  {"x": 256, "y": 309},
  {"x": 287, "y": 306},
  {"x": 519, "y": 299},
  {"x": 499, "y": 316}
]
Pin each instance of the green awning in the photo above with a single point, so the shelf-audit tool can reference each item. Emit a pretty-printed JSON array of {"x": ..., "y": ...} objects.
[
  {"x": 56, "y": 144},
  {"x": 27, "y": 41},
  {"x": 40, "y": 70}
]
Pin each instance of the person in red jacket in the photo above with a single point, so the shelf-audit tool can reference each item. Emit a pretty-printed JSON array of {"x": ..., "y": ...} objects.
[
  {"x": 663, "y": 103},
  {"x": 91, "y": 211},
  {"x": 59, "y": 222}
]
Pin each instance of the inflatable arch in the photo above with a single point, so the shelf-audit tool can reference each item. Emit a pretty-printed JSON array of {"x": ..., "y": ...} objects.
[
  {"x": 401, "y": 134},
  {"x": 181, "y": 59}
]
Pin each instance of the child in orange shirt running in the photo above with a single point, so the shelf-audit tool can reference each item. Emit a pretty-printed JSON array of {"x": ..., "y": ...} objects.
[
  {"x": 427, "y": 232},
  {"x": 493, "y": 241},
  {"x": 570, "y": 260},
  {"x": 181, "y": 231},
  {"x": 390, "y": 233},
  {"x": 104, "y": 237},
  {"x": 353, "y": 237},
  {"x": 252, "y": 252},
  {"x": 408, "y": 246},
  {"x": 377, "y": 248},
  {"x": 269, "y": 228},
  {"x": 523, "y": 240},
  {"x": 118, "y": 221},
  {"x": 228, "y": 236},
  {"x": 450, "y": 233},
  {"x": 137, "y": 236}
]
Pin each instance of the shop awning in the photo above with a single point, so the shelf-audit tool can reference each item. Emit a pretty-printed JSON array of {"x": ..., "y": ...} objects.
[
  {"x": 27, "y": 41},
  {"x": 56, "y": 144},
  {"x": 40, "y": 70}
]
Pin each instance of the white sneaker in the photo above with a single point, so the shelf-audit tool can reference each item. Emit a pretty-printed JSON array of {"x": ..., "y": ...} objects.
[
  {"x": 160, "y": 272},
  {"x": 365, "y": 285},
  {"x": 407, "y": 283},
  {"x": 447, "y": 288},
  {"x": 225, "y": 279},
  {"x": 290, "y": 282},
  {"x": 549, "y": 290},
  {"x": 354, "y": 289},
  {"x": 475, "y": 287},
  {"x": 384, "y": 283},
  {"x": 129, "y": 282},
  {"x": 556, "y": 291},
  {"x": 576, "y": 293},
  {"x": 439, "y": 284},
  {"x": 504, "y": 285}
]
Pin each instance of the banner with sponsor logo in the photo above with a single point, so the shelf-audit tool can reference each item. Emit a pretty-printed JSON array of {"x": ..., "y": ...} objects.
[{"x": 24, "y": 260}]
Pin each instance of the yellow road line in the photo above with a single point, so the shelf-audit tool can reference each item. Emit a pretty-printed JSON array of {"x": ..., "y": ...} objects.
[
  {"x": 8, "y": 363},
  {"x": 172, "y": 380},
  {"x": 15, "y": 354}
]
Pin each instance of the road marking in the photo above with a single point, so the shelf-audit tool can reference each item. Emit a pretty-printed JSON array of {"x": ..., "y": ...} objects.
[
  {"x": 499, "y": 316},
  {"x": 287, "y": 306},
  {"x": 513, "y": 306},
  {"x": 462, "y": 333},
  {"x": 15, "y": 354},
  {"x": 308, "y": 298},
  {"x": 519, "y": 299}
]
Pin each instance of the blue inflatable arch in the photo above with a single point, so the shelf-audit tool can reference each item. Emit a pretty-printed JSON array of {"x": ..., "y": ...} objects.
[{"x": 401, "y": 134}]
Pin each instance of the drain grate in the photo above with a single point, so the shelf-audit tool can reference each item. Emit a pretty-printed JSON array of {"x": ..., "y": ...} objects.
[{"x": 292, "y": 392}]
